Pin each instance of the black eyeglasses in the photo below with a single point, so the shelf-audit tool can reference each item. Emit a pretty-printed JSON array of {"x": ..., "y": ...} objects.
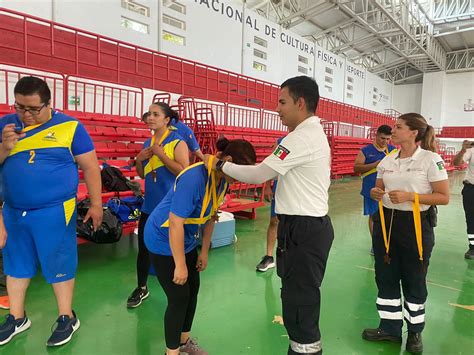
[{"x": 33, "y": 110}]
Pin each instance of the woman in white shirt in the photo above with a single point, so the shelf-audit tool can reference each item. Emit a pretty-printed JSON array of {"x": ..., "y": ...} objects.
[{"x": 409, "y": 184}]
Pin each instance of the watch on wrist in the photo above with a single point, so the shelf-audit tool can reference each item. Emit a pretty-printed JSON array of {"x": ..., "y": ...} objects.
[{"x": 219, "y": 164}]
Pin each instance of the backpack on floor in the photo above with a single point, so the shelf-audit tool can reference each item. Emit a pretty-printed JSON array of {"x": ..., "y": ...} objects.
[
  {"x": 110, "y": 231},
  {"x": 127, "y": 209}
]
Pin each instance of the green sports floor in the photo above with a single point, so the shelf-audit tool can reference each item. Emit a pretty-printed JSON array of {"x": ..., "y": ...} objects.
[{"x": 237, "y": 306}]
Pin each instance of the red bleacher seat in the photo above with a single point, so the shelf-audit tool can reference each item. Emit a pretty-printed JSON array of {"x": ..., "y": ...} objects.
[
  {"x": 106, "y": 131},
  {"x": 126, "y": 132}
]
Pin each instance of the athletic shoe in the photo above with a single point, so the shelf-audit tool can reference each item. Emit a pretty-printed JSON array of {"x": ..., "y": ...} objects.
[
  {"x": 192, "y": 348},
  {"x": 137, "y": 296},
  {"x": 266, "y": 263},
  {"x": 65, "y": 328},
  {"x": 12, "y": 327},
  {"x": 378, "y": 334},
  {"x": 469, "y": 254}
]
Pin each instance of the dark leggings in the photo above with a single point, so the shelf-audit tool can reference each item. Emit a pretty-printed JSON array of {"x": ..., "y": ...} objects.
[
  {"x": 182, "y": 300},
  {"x": 143, "y": 257}
]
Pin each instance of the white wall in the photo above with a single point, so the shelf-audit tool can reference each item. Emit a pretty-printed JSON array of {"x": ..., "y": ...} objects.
[
  {"x": 221, "y": 34},
  {"x": 407, "y": 98},
  {"x": 459, "y": 88},
  {"x": 432, "y": 99}
]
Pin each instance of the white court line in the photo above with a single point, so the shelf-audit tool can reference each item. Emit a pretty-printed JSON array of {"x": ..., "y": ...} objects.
[{"x": 428, "y": 282}]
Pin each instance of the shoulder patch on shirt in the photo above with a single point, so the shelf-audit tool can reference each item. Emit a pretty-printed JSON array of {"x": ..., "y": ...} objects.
[
  {"x": 440, "y": 165},
  {"x": 281, "y": 152}
]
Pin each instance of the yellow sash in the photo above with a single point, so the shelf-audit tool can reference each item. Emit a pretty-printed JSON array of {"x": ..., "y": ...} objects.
[
  {"x": 374, "y": 170},
  {"x": 416, "y": 222},
  {"x": 154, "y": 162},
  {"x": 210, "y": 194}
]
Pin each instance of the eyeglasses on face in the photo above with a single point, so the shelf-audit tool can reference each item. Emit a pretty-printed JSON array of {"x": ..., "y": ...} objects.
[{"x": 32, "y": 110}]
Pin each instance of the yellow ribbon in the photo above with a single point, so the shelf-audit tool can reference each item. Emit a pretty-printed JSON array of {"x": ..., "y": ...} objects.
[
  {"x": 416, "y": 222},
  {"x": 210, "y": 194},
  {"x": 154, "y": 160}
]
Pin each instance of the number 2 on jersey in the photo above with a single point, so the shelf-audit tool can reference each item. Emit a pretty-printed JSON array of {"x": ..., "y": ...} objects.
[{"x": 32, "y": 157}]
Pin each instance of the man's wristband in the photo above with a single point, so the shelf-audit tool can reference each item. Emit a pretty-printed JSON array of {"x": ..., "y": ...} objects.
[{"x": 219, "y": 165}]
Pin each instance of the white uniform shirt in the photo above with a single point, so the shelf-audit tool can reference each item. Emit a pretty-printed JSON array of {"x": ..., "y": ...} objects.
[
  {"x": 413, "y": 174},
  {"x": 302, "y": 161},
  {"x": 469, "y": 159}
]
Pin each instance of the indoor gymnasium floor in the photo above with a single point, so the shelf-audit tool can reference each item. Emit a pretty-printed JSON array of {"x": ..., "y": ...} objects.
[{"x": 237, "y": 306}]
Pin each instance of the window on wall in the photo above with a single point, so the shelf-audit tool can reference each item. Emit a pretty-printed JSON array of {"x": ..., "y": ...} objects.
[
  {"x": 259, "y": 66},
  {"x": 350, "y": 87},
  {"x": 328, "y": 88},
  {"x": 174, "y": 22},
  {"x": 328, "y": 70},
  {"x": 174, "y": 38},
  {"x": 260, "y": 41},
  {"x": 135, "y": 25},
  {"x": 176, "y": 6},
  {"x": 259, "y": 54},
  {"x": 302, "y": 59},
  {"x": 349, "y": 95},
  {"x": 136, "y": 7},
  {"x": 302, "y": 69},
  {"x": 328, "y": 79},
  {"x": 350, "y": 79}
]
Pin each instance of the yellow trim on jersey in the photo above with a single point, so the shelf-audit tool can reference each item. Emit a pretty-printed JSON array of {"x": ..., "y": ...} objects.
[
  {"x": 374, "y": 170},
  {"x": 29, "y": 128},
  {"x": 154, "y": 162},
  {"x": 69, "y": 208},
  {"x": 211, "y": 194},
  {"x": 57, "y": 136}
]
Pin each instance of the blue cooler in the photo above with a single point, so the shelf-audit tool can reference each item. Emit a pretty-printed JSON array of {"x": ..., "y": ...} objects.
[{"x": 224, "y": 231}]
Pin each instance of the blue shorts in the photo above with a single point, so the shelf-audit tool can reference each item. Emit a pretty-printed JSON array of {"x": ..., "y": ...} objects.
[
  {"x": 43, "y": 237},
  {"x": 370, "y": 206}
]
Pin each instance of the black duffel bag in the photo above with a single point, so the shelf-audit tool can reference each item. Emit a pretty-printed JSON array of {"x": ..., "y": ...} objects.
[{"x": 110, "y": 231}]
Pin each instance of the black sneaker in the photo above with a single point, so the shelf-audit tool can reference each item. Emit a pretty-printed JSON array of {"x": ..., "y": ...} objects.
[
  {"x": 469, "y": 254},
  {"x": 65, "y": 328},
  {"x": 414, "y": 343},
  {"x": 266, "y": 263},
  {"x": 380, "y": 335},
  {"x": 137, "y": 296},
  {"x": 12, "y": 327}
]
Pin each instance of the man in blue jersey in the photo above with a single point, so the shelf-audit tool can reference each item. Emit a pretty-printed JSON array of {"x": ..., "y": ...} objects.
[
  {"x": 366, "y": 165},
  {"x": 39, "y": 152}
]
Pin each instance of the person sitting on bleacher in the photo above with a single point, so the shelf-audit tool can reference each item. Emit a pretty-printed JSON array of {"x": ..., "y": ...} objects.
[
  {"x": 40, "y": 151},
  {"x": 164, "y": 156},
  {"x": 366, "y": 164},
  {"x": 170, "y": 236}
]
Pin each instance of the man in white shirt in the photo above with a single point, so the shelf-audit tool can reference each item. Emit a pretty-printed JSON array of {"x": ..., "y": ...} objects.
[
  {"x": 305, "y": 233},
  {"x": 466, "y": 155}
]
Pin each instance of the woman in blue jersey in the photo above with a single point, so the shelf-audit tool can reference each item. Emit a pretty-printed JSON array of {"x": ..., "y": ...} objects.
[
  {"x": 163, "y": 157},
  {"x": 171, "y": 237}
]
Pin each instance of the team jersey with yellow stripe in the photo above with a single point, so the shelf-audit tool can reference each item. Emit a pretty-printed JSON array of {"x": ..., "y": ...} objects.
[
  {"x": 41, "y": 170},
  {"x": 158, "y": 178},
  {"x": 184, "y": 200}
]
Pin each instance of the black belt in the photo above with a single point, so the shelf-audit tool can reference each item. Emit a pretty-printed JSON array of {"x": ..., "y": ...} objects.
[{"x": 403, "y": 214}]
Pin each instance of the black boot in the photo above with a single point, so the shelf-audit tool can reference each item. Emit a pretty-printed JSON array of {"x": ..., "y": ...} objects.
[
  {"x": 414, "y": 343},
  {"x": 379, "y": 335},
  {"x": 469, "y": 254}
]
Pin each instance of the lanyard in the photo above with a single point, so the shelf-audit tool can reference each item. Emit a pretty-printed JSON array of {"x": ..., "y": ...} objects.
[
  {"x": 417, "y": 225},
  {"x": 154, "y": 161},
  {"x": 210, "y": 194}
]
